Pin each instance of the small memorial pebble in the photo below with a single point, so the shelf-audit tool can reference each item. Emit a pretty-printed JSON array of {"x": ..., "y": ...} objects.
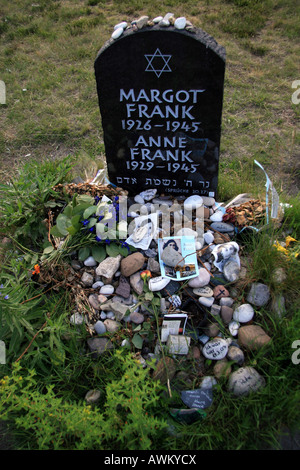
[
  {"x": 108, "y": 289},
  {"x": 100, "y": 328},
  {"x": 90, "y": 261},
  {"x": 180, "y": 22},
  {"x": 206, "y": 301},
  {"x": 243, "y": 313},
  {"x": 205, "y": 291},
  {"x": 193, "y": 202},
  {"x": 215, "y": 349},
  {"x": 117, "y": 33}
]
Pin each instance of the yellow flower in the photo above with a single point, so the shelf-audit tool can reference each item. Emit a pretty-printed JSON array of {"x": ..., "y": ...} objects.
[{"x": 289, "y": 240}]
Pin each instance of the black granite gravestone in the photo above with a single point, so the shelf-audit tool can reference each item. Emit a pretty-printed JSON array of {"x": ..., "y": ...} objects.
[{"x": 160, "y": 95}]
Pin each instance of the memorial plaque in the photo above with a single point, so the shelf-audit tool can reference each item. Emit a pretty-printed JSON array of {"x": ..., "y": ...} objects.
[{"x": 160, "y": 94}]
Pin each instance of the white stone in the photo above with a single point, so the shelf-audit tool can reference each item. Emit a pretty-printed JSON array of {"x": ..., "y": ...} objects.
[
  {"x": 117, "y": 33},
  {"x": 201, "y": 280},
  {"x": 215, "y": 349},
  {"x": 108, "y": 289},
  {"x": 193, "y": 202},
  {"x": 157, "y": 19},
  {"x": 217, "y": 216},
  {"x": 148, "y": 194},
  {"x": 109, "y": 266},
  {"x": 208, "y": 201},
  {"x": 245, "y": 380},
  {"x": 97, "y": 284},
  {"x": 199, "y": 244},
  {"x": 206, "y": 301},
  {"x": 243, "y": 313},
  {"x": 123, "y": 25},
  {"x": 208, "y": 382},
  {"x": 168, "y": 16},
  {"x": 205, "y": 291},
  {"x": 187, "y": 232},
  {"x": 138, "y": 199},
  {"x": 226, "y": 301},
  {"x": 90, "y": 261},
  {"x": 158, "y": 283},
  {"x": 208, "y": 237},
  {"x": 180, "y": 22}
]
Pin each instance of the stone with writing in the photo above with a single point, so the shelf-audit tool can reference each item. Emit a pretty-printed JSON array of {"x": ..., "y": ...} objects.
[
  {"x": 199, "y": 398},
  {"x": 215, "y": 349},
  {"x": 245, "y": 380},
  {"x": 161, "y": 112}
]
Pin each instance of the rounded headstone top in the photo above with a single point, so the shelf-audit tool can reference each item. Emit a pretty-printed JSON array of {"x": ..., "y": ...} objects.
[{"x": 196, "y": 33}]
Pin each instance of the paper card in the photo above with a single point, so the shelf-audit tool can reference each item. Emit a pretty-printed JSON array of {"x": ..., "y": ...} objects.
[
  {"x": 187, "y": 248},
  {"x": 144, "y": 231},
  {"x": 173, "y": 324}
]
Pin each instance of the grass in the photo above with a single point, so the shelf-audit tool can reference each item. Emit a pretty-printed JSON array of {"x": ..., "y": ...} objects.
[{"x": 46, "y": 61}]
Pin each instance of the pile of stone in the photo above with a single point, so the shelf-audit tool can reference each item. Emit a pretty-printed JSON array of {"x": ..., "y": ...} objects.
[
  {"x": 230, "y": 328},
  {"x": 145, "y": 21}
]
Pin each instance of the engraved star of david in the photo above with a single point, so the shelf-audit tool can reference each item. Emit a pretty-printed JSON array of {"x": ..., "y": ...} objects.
[{"x": 160, "y": 65}]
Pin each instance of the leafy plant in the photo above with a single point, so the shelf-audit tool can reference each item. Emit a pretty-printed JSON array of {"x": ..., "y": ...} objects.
[
  {"x": 23, "y": 201},
  {"x": 94, "y": 223},
  {"x": 128, "y": 417}
]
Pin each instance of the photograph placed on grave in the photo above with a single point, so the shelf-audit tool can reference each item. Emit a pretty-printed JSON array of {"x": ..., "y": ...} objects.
[
  {"x": 160, "y": 93},
  {"x": 178, "y": 257}
]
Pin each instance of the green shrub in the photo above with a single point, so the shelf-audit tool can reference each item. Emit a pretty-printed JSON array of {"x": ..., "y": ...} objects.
[{"x": 126, "y": 421}]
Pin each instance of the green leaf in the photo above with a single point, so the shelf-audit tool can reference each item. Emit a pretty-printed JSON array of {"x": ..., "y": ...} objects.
[
  {"x": 112, "y": 249},
  {"x": 75, "y": 221},
  {"x": 137, "y": 328},
  {"x": 48, "y": 250},
  {"x": 80, "y": 208},
  {"x": 83, "y": 253},
  {"x": 72, "y": 230},
  {"x": 99, "y": 253},
  {"x": 123, "y": 251},
  {"x": 86, "y": 199},
  {"x": 53, "y": 203},
  {"x": 92, "y": 222},
  {"x": 100, "y": 228},
  {"x": 62, "y": 223},
  {"x": 55, "y": 232},
  {"x": 68, "y": 211},
  {"x": 149, "y": 296},
  {"x": 137, "y": 341},
  {"x": 89, "y": 211}
]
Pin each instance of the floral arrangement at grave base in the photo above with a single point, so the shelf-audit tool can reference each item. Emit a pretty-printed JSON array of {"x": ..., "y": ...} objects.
[{"x": 92, "y": 221}]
